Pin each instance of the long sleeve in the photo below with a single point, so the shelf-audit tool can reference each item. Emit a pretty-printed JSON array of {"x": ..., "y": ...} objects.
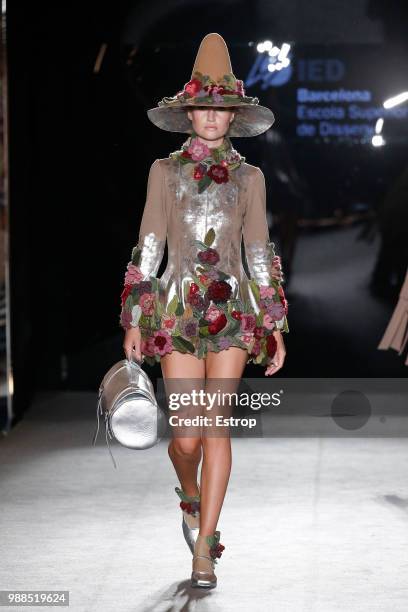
[
  {"x": 260, "y": 255},
  {"x": 139, "y": 295}
]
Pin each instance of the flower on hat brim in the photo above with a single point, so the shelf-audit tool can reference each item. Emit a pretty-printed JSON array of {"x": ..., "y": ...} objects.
[{"x": 203, "y": 90}]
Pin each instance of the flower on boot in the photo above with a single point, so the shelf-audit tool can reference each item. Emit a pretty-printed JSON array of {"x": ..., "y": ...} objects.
[
  {"x": 190, "y": 507},
  {"x": 216, "y": 551},
  {"x": 215, "y": 547}
]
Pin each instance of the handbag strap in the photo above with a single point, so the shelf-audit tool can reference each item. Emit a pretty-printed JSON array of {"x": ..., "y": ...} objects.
[{"x": 107, "y": 432}]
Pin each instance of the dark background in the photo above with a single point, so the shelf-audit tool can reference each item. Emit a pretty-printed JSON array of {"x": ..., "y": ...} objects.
[{"x": 81, "y": 146}]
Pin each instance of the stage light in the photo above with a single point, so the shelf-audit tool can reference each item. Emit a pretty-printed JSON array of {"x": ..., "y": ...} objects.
[
  {"x": 274, "y": 51},
  {"x": 379, "y": 125},
  {"x": 395, "y": 100},
  {"x": 377, "y": 140},
  {"x": 266, "y": 45},
  {"x": 284, "y": 51}
]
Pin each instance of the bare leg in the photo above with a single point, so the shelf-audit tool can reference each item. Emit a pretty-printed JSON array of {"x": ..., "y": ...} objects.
[
  {"x": 229, "y": 365},
  {"x": 184, "y": 451}
]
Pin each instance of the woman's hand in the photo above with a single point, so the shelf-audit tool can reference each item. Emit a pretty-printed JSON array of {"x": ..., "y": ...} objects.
[
  {"x": 132, "y": 343},
  {"x": 279, "y": 356}
]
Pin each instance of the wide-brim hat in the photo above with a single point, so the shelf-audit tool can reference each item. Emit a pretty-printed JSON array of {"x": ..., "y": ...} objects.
[{"x": 213, "y": 84}]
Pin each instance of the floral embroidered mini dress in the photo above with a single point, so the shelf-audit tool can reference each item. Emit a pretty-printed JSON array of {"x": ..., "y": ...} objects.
[{"x": 205, "y": 203}]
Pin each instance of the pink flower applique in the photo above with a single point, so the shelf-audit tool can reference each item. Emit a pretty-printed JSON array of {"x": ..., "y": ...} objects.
[
  {"x": 240, "y": 87},
  {"x": 168, "y": 321},
  {"x": 162, "y": 342},
  {"x": 212, "y": 314},
  {"x": 147, "y": 303},
  {"x": 266, "y": 291},
  {"x": 276, "y": 311},
  {"x": 268, "y": 321},
  {"x": 125, "y": 319},
  {"x": 133, "y": 274},
  {"x": 248, "y": 322},
  {"x": 198, "y": 150}
]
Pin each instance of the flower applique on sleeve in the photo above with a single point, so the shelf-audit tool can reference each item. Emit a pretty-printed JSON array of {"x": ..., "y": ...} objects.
[
  {"x": 264, "y": 265},
  {"x": 139, "y": 299}
]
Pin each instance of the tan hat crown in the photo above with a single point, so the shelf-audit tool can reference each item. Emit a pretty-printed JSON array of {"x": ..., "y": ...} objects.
[{"x": 213, "y": 57}]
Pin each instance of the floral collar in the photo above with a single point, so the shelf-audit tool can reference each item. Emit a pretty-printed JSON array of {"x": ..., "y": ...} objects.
[{"x": 210, "y": 165}]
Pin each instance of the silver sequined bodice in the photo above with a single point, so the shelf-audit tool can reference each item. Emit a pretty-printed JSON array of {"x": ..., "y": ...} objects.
[{"x": 235, "y": 210}]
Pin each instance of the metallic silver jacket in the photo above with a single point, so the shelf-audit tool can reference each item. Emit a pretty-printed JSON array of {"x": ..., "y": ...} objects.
[{"x": 176, "y": 212}]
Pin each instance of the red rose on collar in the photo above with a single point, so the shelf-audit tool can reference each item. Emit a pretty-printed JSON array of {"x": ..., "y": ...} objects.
[
  {"x": 218, "y": 173},
  {"x": 199, "y": 172}
]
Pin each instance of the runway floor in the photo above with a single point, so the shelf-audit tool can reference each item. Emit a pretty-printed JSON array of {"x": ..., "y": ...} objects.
[{"x": 314, "y": 524}]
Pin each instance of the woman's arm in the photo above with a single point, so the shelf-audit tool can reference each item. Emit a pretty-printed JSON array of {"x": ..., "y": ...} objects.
[
  {"x": 260, "y": 253},
  {"x": 140, "y": 284}
]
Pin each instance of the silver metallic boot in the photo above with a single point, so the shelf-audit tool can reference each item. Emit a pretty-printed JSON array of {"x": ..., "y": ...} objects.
[
  {"x": 191, "y": 517},
  {"x": 206, "y": 551}
]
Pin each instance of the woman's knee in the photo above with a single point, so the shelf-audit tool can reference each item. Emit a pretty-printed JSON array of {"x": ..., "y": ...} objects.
[{"x": 185, "y": 447}]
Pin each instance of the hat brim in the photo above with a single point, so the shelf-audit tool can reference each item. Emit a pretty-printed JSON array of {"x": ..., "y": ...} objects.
[{"x": 249, "y": 120}]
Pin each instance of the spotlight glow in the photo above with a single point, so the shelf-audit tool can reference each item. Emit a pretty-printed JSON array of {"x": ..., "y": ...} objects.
[
  {"x": 284, "y": 51},
  {"x": 274, "y": 51},
  {"x": 379, "y": 125},
  {"x": 377, "y": 140},
  {"x": 395, "y": 100},
  {"x": 266, "y": 45}
]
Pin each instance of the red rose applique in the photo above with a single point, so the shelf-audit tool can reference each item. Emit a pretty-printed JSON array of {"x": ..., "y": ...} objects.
[
  {"x": 218, "y": 324},
  {"x": 199, "y": 172},
  {"x": 193, "y": 87},
  {"x": 219, "y": 291},
  {"x": 209, "y": 256},
  {"x": 271, "y": 345},
  {"x": 218, "y": 173}
]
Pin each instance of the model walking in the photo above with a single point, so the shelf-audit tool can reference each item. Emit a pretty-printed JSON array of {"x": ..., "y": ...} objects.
[{"x": 204, "y": 318}]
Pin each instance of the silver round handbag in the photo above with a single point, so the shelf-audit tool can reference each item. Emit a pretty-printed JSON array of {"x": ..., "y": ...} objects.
[{"x": 127, "y": 401}]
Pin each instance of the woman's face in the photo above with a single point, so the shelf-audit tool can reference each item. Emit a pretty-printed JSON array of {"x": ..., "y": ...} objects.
[{"x": 209, "y": 122}]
